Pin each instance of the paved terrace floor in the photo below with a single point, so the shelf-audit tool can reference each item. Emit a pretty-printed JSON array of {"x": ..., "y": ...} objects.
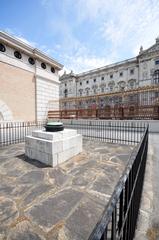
[{"x": 66, "y": 202}]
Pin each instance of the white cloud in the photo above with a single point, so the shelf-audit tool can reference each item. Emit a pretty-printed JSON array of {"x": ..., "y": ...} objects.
[
  {"x": 80, "y": 63},
  {"x": 30, "y": 43},
  {"x": 45, "y": 3},
  {"x": 89, "y": 10},
  {"x": 122, "y": 27},
  {"x": 64, "y": 70},
  {"x": 124, "y": 23}
]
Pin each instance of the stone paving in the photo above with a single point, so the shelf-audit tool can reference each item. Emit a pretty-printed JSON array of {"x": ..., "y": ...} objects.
[
  {"x": 148, "y": 222},
  {"x": 38, "y": 202}
]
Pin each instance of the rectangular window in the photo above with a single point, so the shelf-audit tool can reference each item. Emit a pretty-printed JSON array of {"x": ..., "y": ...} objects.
[
  {"x": 157, "y": 62},
  {"x": 131, "y": 71},
  {"x": 80, "y": 83},
  {"x": 94, "y": 80},
  {"x": 102, "y": 78},
  {"x": 121, "y": 74},
  {"x": 111, "y": 76},
  {"x": 87, "y": 81},
  {"x": 111, "y": 88}
]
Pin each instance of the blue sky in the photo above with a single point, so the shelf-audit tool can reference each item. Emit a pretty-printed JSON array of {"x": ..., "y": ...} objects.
[{"x": 83, "y": 34}]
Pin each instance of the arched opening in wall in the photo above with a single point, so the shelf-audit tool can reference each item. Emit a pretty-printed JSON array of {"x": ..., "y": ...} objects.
[
  {"x": 65, "y": 92},
  {"x": 1, "y": 117}
]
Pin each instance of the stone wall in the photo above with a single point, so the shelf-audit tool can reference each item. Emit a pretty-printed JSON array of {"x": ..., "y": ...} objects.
[
  {"x": 17, "y": 92},
  {"x": 28, "y": 82},
  {"x": 46, "y": 91}
]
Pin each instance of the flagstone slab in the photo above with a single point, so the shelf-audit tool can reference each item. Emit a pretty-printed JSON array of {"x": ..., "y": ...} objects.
[{"x": 65, "y": 202}]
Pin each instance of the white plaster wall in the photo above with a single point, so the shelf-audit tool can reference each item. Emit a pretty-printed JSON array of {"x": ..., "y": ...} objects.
[
  {"x": 9, "y": 58},
  {"x": 47, "y": 83},
  {"x": 106, "y": 74},
  {"x": 47, "y": 74},
  {"x": 47, "y": 92},
  {"x": 146, "y": 68},
  {"x": 74, "y": 86}
]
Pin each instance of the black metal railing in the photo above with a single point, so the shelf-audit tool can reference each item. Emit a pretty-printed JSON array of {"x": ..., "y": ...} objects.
[
  {"x": 119, "y": 219},
  {"x": 120, "y": 216},
  {"x": 15, "y": 132},
  {"x": 123, "y": 132}
]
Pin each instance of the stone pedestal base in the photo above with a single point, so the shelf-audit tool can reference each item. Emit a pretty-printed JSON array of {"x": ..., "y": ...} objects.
[{"x": 53, "y": 148}]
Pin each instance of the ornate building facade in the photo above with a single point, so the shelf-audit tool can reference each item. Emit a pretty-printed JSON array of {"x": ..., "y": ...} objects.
[
  {"x": 29, "y": 81},
  {"x": 116, "y": 88}
]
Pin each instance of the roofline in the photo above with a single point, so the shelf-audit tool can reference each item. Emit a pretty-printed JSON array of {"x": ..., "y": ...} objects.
[
  {"x": 130, "y": 60},
  {"x": 146, "y": 50},
  {"x": 12, "y": 40}
]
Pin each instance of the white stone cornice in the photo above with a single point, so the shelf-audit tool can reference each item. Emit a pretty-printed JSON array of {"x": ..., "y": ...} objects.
[
  {"x": 40, "y": 55},
  {"x": 18, "y": 44}
]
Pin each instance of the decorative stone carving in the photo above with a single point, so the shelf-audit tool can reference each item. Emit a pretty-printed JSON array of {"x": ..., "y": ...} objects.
[
  {"x": 95, "y": 86},
  {"x": 154, "y": 48},
  {"x": 111, "y": 83},
  {"x": 141, "y": 50}
]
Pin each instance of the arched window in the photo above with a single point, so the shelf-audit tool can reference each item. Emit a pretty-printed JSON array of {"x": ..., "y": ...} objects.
[
  {"x": 156, "y": 77},
  {"x": 131, "y": 84},
  {"x": 111, "y": 85},
  {"x": 65, "y": 92},
  {"x": 122, "y": 85}
]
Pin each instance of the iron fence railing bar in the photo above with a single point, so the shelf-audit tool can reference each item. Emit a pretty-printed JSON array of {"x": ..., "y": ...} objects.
[
  {"x": 15, "y": 132},
  {"x": 115, "y": 132},
  {"x": 120, "y": 216},
  {"x": 103, "y": 223},
  {"x": 132, "y": 191}
]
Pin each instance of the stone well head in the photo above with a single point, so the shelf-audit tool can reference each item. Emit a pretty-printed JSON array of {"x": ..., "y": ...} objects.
[{"x": 54, "y": 127}]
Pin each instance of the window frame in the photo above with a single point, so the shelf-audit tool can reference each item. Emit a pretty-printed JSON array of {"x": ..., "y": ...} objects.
[
  {"x": 17, "y": 54},
  {"x": 43, "y": 65},
  {"x": 2, "y": 47}
]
